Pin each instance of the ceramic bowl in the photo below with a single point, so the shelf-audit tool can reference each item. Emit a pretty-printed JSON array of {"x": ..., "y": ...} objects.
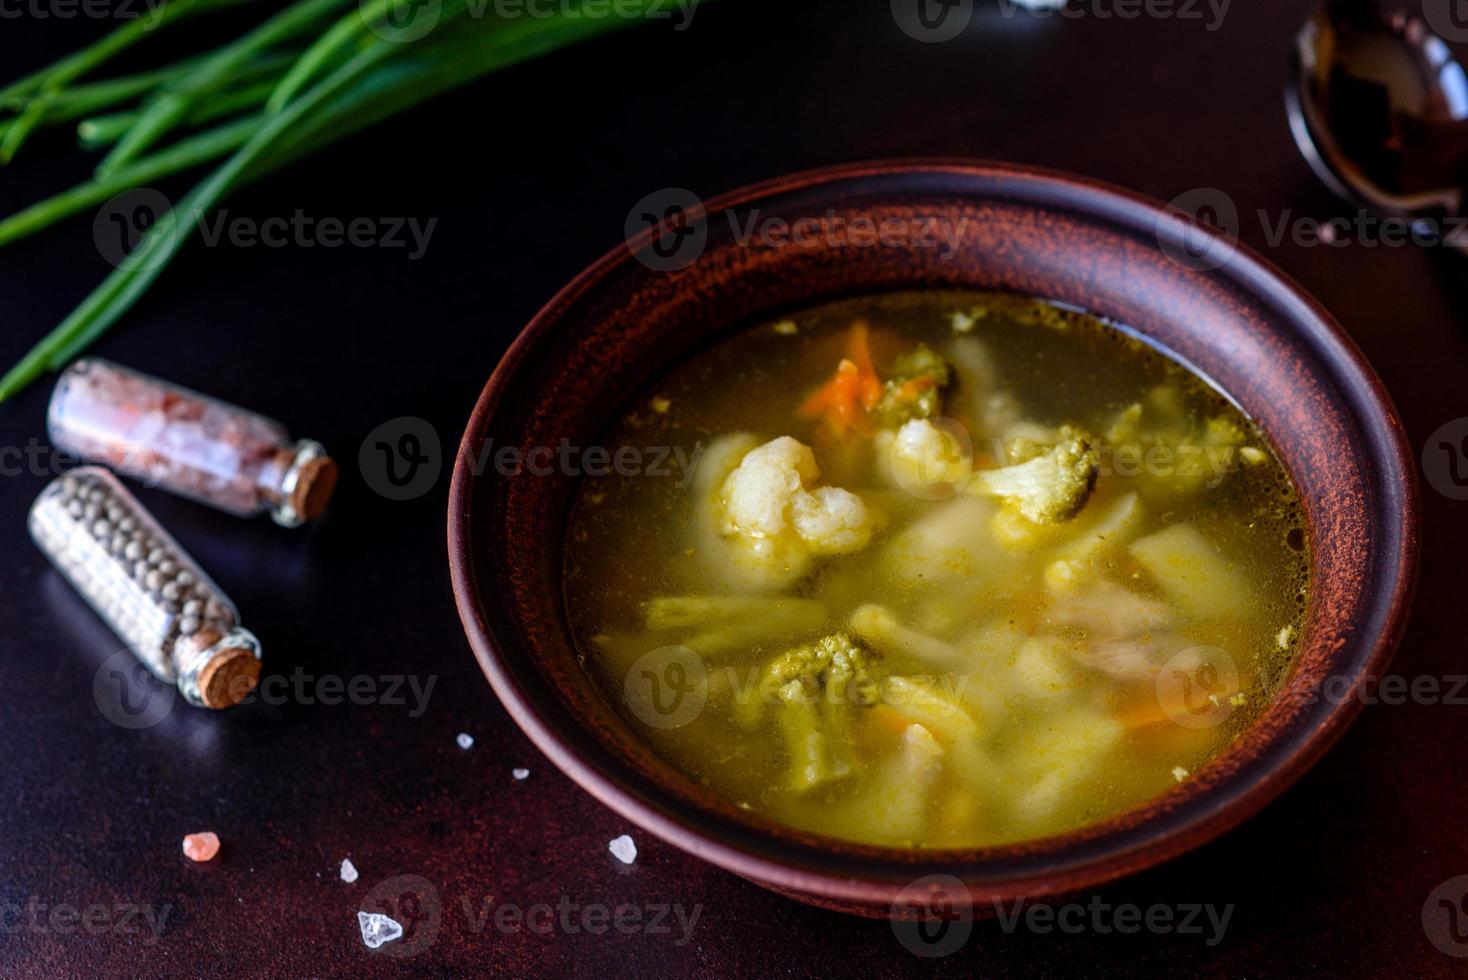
[{"x": 694, "y": 276}]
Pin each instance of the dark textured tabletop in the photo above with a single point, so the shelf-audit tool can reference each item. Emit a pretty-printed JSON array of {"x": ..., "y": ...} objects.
[{"x": 526, "y": 178}]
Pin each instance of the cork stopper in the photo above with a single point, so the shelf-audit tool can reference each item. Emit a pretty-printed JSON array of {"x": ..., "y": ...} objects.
[
  {"x": 314, "y": 485},
  {"x": 228, "y": 676}
]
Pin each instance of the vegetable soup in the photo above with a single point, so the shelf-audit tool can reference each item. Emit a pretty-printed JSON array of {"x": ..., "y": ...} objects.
[{"x": 937, "y": 570}]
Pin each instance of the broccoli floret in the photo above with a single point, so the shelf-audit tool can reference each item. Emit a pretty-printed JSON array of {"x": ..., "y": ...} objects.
[
  {"x": 1188, "y": 455},
  {"x": 816, "y": 685},
  {"x": 919, "y": 382},
  {"x": 835, "y": 657},
  {"x": 1051, "y": 487}
]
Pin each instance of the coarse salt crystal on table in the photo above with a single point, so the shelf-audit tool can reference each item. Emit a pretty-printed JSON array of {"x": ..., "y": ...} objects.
[
  {"x": 349, "y": 871},
  {"x": 378, "y": 928},
  {"x": 465, "y": 740},
  {"x": 623, "y": 849},
  {"x": 520, "y": 773},
  {"x": 201, "y": 846}
]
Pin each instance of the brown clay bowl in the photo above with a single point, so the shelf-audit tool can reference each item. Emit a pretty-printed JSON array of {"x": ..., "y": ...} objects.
[{"x": 1221, "y": 308}]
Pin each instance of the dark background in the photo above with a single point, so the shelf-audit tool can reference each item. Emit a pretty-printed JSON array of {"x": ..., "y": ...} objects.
[{"x": 530, "y": 175}]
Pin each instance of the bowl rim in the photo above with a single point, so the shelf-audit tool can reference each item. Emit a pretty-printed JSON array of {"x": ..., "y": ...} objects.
[{"x": 1237, "y": 800}]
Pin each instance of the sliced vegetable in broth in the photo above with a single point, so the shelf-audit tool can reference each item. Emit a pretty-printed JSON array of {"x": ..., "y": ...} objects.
[{"x": 937, "y": 570}]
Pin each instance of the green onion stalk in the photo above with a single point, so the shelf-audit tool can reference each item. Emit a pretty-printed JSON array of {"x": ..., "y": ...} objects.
[{"x": 309, "y": 75}]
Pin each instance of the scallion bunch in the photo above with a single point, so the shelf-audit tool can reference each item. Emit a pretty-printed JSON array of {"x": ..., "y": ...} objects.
[{"x": 306, "y": 76}]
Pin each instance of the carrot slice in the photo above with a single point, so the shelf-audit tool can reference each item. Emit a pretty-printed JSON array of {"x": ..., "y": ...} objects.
[{"x": 844, "y": 401}]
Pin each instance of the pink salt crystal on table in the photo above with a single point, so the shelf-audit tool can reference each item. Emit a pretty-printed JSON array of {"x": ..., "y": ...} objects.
[{"x": 201, "y": 847}]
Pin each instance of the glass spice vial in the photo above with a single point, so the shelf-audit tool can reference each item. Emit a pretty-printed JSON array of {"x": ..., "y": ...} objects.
[
  {"x": 147, "y": 588},
  {"x": 166, "y": 435}
]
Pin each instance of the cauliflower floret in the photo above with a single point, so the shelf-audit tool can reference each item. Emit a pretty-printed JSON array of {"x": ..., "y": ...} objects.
[
  {"x": 928, "y": 459},
  {"x": 1050, "y": 488},
  {"x": 768, "y": 496},
  {"x": 738, "y": 563},
  {"x": 831, "y": 520},
  {"x": 758, "y": 494}
]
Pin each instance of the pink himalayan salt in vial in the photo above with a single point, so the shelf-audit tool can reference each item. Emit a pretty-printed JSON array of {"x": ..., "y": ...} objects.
[{"x": 166, "y": 435}]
